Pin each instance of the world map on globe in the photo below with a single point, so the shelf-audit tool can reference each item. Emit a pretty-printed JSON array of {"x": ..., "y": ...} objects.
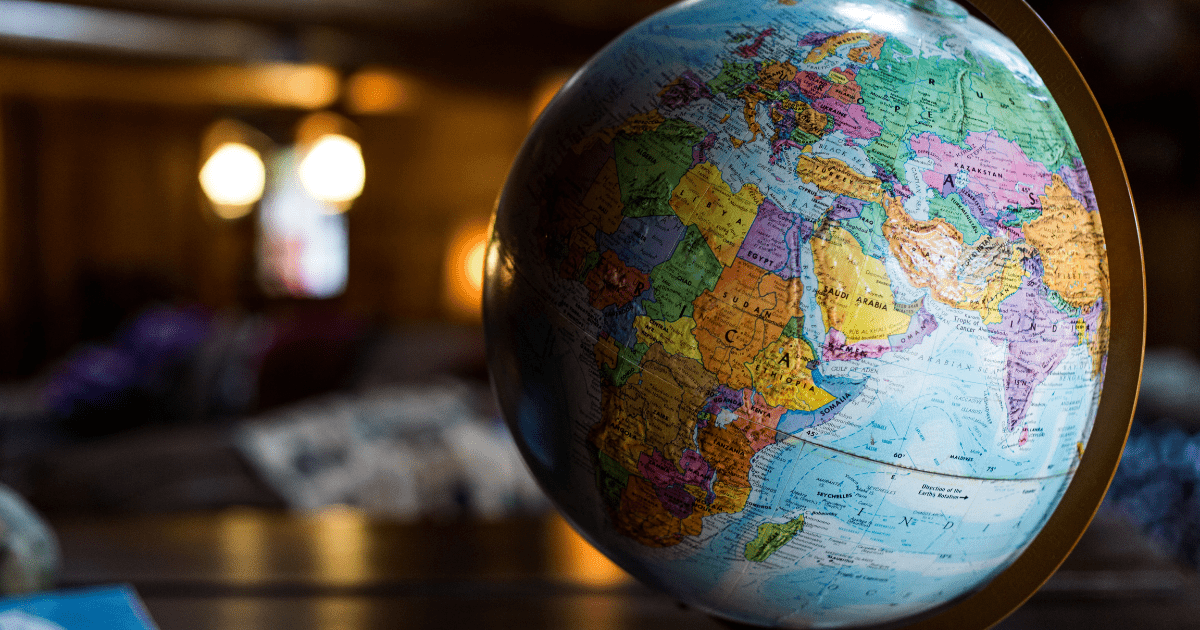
[{"x": 799, "y": 310}]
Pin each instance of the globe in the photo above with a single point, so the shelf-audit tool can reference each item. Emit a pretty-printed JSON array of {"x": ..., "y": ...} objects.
[{"x": 802, "y": 311}]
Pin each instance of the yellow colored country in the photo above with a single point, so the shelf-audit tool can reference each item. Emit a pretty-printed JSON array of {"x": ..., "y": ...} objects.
[
  {"x": 676, "y": 337},
  {"x": 837, "y": 177},
  {"x": 606, "y": 352},
  {"x": 808, "y": 119},
  {"x": 603, "y": 199},
  {"x": 782, "y": 376},
  {"x": 990, "y": 271},
  {"x": 749, "y": 108},
  {"x": 656, "y": 409},
  {"x": 1002, "y": 285},
  {"x": 728, "y": 498},
  {"x": 1071, "y": 242},
  {"x": 643, "y": 415},
  {"x": 868, "y": 53},
  {"x": 853, "y": 289},
  {"x": 828, "y": 46},
  {"x": 622, "y": 434},
  {"x": 775, "y": 72},
  {"x": 704, "y": 199}
]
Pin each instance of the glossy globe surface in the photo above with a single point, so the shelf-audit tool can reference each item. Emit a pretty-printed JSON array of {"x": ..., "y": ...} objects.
[{"x": 799, "y": 310}]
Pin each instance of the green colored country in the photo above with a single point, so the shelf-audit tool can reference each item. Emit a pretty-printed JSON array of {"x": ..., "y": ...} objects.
[
  {"x": 650, "y": 164},
  {"x": 690, "y": 271},
  {"x": 867, "y": 229},
  {"x": 1023, "y": 114},
  {"x": 628, "y": 363},
  {"x": 1062, "y": 305},
  {"x": 909, "y": 95},
  {"x": 953, "y": 210},
  {"x": 1016, "y": 216},
  {"x": 771, "y": 537},
  {"x": 732, "y": 78},
  {"x": 589, "y": 263},
  {"x": 612, "y": 478},
  {"x": 792, "y": 329},
  {"x": 802, "y": 137}
]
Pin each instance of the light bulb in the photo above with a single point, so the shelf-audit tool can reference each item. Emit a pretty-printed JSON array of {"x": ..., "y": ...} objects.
[
  {"x": 464, "y": 262},
  {"x": 333, "y": 170},
  {"x": 233, "y": 177}
]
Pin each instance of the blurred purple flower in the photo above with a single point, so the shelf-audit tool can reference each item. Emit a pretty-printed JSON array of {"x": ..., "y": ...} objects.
[
  {"x": 144, "y": 352},
  {"x": 91, "y": 374}
]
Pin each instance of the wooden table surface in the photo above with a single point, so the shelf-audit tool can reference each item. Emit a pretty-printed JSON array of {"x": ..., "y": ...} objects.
[{"x": 257, "y": 569}]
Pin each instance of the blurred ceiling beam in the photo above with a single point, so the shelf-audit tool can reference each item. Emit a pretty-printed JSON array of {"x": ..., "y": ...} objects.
[
  {"x": 435, "y": 14},
  {"x": 47, "y": 25},
  {"x": 294, "y": 86},
  {"x": 495, "y": 45}
]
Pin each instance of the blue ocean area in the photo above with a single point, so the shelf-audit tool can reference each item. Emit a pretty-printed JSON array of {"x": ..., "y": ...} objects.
[
  {"x": 689, "y": 35},
  {"x": 847, "y": 579}
]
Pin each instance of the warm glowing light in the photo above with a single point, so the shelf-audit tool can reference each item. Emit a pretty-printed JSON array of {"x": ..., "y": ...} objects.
[
  {"x": 473, "y": 265},
  {"x": 379, "y": 91},
  {"x": 233, "y": 178},
  {"x": 307, "y": 86},
  {"x": 333, "y": 170},
  {"x": 578, "y": 561},
  {"x": 340, "y": 549},
  {"x": 317, "y": 125},
  {"x": 241, "y": 537},
  {"x": 545, "y": 91},
  {"x": 464, "y": 270}
]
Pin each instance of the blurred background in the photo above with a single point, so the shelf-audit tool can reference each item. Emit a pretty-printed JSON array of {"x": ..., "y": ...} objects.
[
  {"x": 205, "y": 327},
  {"x": 212, "y": 211}
]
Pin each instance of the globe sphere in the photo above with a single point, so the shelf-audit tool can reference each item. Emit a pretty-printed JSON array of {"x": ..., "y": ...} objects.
[{"x": 800, "y": 311}]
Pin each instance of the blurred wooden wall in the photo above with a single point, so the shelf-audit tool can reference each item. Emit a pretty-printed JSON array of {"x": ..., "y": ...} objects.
[
  {"x": 428, "y": 172},
  {"x": 101, "y": 211}
]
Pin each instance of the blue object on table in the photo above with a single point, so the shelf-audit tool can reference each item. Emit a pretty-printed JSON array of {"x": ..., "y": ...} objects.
[{"x": 108, "y": 608}]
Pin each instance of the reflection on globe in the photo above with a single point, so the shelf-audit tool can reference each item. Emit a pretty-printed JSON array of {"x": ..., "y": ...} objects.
[{"x": 800, "y": 310}]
